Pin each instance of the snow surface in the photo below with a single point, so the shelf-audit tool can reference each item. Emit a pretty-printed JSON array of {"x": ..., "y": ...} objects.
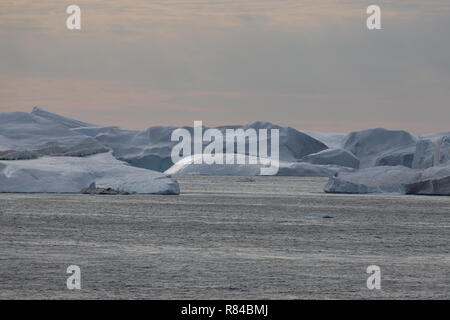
[{"x": 71, "y": 174}]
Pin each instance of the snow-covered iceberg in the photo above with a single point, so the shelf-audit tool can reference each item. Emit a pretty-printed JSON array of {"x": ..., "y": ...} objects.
[{"x": 71, "y": 174}]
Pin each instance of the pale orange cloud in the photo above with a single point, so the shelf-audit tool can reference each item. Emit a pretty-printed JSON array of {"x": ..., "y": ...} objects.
[{"x": 137, "y": 63}]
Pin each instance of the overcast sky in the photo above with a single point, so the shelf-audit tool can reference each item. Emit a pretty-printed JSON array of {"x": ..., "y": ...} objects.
[{"x": 308, "y": 64}]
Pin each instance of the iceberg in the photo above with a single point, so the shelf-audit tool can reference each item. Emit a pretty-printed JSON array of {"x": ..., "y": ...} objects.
[
  {"x": 435, "y": 186},
  {"x": 64, "y": 121},
  {"x": 72, "y": 174},
  {"x": 424, "y": 154},
  {"x": 28, "y": 135},
  {"x": 443, "y": 153},
  {"x": 386, "y": 179},
  {"x": 436, "y": 172},
  {"x": 339, "y": 157},
  {"x": 403, "y": 156},
  {"x": 151, "y": 149},
  {"x": 187, "y": 166},
  {"x": 368, "y": 145},
  {"x": 432, "y": 152},
  {"x": 392, "y": 179},
  {"x": 435, "y": 136}
]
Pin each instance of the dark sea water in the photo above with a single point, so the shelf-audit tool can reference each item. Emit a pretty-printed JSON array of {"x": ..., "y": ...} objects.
[{"x": 225, "y": 237}]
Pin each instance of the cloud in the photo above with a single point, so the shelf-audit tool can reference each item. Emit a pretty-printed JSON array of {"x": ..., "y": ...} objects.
[
  {"x": 144, "y": 17},
  {"x": 173, "y": 61}
]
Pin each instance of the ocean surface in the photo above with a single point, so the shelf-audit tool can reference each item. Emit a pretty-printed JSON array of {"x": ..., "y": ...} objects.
[{"x": 226, "y": 237}]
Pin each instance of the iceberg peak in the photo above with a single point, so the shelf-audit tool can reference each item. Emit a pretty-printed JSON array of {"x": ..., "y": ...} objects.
[{"x": 61, "y": 120}]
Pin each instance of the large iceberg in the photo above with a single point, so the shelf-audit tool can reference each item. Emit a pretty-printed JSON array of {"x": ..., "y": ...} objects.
[
  {"x": 422, "y": 168},
  {"x": 152, "y": 148},
  {"x": 71, "y": 174}
]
